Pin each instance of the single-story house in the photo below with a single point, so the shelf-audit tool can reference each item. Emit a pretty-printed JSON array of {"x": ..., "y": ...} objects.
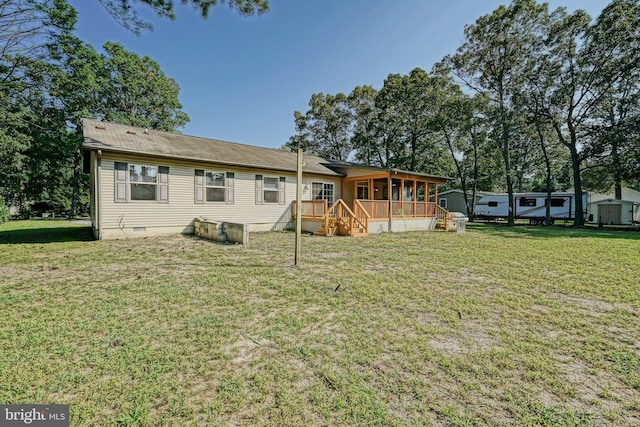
[
  {"x": 146, "y": 182},
  {"x": 606, "y": 209},
  {"x": 455, "y": 201}
]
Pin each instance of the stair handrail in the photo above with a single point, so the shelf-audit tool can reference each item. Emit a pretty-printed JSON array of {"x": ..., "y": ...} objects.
[
  {"x": 357, "y": 206},
  {"x": 341, "y": 205}
]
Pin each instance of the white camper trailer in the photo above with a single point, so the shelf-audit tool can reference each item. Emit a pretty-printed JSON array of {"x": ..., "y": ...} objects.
[{"x": 531, "y": 206}]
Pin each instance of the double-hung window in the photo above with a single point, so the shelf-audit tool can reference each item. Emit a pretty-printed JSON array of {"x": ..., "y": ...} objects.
[
  {"x": 270, "y": 189},
  {"x": 214, "y": 186},
  {"x": 138, "y": 182},
  {"x": 144, "y": 182},
  {"x": 214, "y": 182}
]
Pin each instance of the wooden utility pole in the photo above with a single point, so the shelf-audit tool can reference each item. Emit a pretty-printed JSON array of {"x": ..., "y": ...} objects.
[{"x": 298, "y": 207}]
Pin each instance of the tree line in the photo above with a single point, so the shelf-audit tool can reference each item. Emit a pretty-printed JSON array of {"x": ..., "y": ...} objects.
[
  {"x": 50, "y": 80},
  {"x": 533, "y": 100}
]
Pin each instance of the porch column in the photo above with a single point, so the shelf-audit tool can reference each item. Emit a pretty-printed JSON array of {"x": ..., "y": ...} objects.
[
  {"x": 414, "y": 198},
  {"x": 401, "y": 194}
]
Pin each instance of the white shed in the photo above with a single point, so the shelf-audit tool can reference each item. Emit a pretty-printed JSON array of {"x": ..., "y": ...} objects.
[
  {"x": 606, "y": 209},
  {"x": 618, "y": 212}
]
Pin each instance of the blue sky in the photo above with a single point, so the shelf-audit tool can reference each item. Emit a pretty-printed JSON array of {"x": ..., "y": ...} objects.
[{"x": 242, "y": 78}]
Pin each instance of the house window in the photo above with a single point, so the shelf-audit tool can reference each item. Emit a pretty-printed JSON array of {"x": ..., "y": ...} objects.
[
  {"x": 270, "y": 189},
  {"x": 214, "y": 186},
  {"x": 135, "y": 182},
  {"x": 323, "y": 191},
  {"x": 362, "y": 190},
  {"x": 443, "y": 203},
  {"x": 527, "y": 202},
  {"x": 214, "y": 182},
  {"x": 144, "y": 182}
]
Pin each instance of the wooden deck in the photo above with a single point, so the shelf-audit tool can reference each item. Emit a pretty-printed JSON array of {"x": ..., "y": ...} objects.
[{"x": 341, "y": 219}]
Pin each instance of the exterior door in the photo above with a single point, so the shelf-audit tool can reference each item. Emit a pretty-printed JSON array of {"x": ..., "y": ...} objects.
[{"x": 610, "y": 214}]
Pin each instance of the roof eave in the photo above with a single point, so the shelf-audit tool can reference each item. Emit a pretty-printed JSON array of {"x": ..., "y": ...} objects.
[{"x": 93, "y": 146}]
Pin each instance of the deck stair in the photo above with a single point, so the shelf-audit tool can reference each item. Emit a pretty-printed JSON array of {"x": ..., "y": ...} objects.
[
  {"x": 342, "y": 221},
  {"x": 443, "y": 218}
]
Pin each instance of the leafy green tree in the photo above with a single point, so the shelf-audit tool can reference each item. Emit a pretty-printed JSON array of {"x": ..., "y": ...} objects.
[
  {"x": 581, "y": 67},
  {"x": 28, "y": 28},
  {"x": 490, "y": 62},
  {"x": 453, "y": 123},
  {"x": 139, "y": 94},
  {"x": 376, "y": 135},
  {"x": 14, "y": 142},
  {"x": 365, "y": 136},
  {"x": 326, "y": 128},
  {"x": 126, "y": 14},
  {"x": 612, "y": 143},
  {"x": 407, "y": 105}
]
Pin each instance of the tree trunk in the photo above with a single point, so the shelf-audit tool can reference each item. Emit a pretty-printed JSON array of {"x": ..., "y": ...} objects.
[
  {"x": 507, "y": 169},
  {"x": 463, "y": 182},
  {"x": 547, "y": 164},
  {"x": 577, "y": 181},
  {"x": 475, "y": 175},
  {"x": 504, "y": 136},
  {"x": 617, "y": 168}
]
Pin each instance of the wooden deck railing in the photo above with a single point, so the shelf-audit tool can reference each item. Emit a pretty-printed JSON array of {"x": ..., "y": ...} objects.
[
  {"x": 418, "y": 210},
  {"x": 365, "y": 210},
  {"x": 377, "y": 209},
  {"x": 314, "y": 209}
]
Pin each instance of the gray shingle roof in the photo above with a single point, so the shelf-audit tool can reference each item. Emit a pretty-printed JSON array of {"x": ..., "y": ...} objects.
[{"x": 133, "y": 140}]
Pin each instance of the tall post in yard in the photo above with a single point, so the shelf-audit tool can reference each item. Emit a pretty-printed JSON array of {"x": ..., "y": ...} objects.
[{"x": 298, "y": 207}]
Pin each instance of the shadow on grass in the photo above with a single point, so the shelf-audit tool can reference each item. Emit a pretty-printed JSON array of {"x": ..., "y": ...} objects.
[
  {"x": 46, "y": 235},
  {"x": 558, "y": 230}
]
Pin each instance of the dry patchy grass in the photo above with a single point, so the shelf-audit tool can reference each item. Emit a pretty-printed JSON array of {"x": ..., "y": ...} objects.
[{"x": 497, "y": 326}]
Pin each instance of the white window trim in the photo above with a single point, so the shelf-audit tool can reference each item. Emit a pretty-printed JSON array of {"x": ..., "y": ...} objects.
[
  {"x": 324, "y": 183},
  {"x": 265, "y": 189},
  {"x": 224, "y": 188}
]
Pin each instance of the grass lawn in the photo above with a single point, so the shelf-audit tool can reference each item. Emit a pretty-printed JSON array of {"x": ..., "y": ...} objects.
[{"x": 496, "y": 326}]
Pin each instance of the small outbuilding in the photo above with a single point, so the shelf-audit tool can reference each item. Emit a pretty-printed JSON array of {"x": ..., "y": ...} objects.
[
  {"x": 606, "y": 209},
  {"x": 617, "y": 212},
  {"x": 455, "y": 200}
]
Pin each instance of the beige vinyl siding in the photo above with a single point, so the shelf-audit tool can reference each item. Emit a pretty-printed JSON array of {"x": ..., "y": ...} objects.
[{"x": 182, "y": 209}]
